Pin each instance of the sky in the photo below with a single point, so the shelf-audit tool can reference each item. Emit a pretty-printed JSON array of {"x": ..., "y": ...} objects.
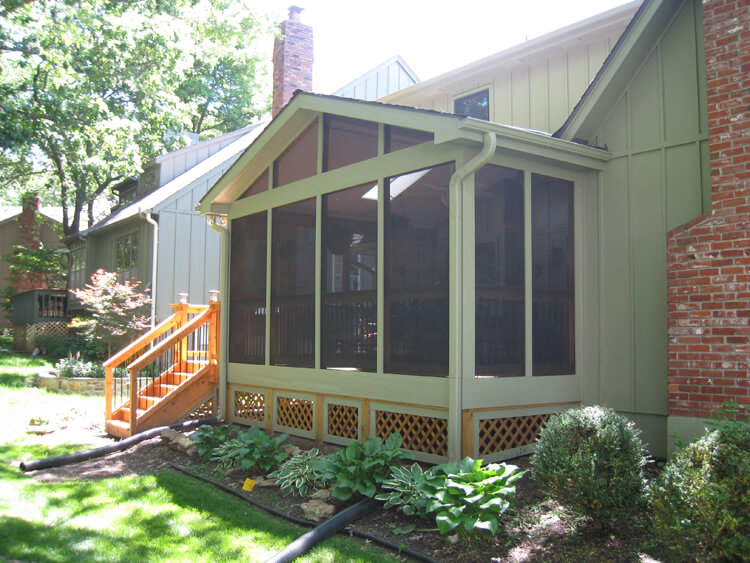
[{"x": 352, "y": 36}]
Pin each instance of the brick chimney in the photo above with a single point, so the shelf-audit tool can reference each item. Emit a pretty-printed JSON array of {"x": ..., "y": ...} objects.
[
  {"x": 292, "y": 59},
  {"x": 708, "y": 260},
  {"x": 29, "y": 236}
]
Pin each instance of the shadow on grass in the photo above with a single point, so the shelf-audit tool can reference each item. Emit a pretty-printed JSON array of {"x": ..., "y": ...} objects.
[
  {"x": 15, "y": 380},
  {"x": 12, "y": 454}
]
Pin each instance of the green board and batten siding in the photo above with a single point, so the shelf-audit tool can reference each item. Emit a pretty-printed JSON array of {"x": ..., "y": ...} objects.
[{"x": 656, "y": 180}]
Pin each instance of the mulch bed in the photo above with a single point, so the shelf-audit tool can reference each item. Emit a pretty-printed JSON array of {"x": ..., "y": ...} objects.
[{"x": 537, "y": 529}]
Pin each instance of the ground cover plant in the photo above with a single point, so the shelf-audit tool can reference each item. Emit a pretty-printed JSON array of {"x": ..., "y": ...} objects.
[
  {"x": 591, "y": 459},
  {"x": 359, "y": 469},
  {"x": 251, "y": 449},
  {"x": 297, "y": 475}
]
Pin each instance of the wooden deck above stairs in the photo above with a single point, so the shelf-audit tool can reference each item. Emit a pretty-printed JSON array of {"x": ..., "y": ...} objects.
[{"x": 167, "y": 373}]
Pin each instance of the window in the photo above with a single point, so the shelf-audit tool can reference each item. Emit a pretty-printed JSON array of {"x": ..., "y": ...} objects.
[
  {"x": 474, "y": 105},
  {"x": 416, "y": 275},
  {"x": 128, "y": 195},
  {"x": 293, "y": 285},
  {"x": 349, "y": 301},
  {"x": 126, "y": 252},
  {"x": 78, "y": 259},
  {"x": 348, "y": 141},
  {"x": 247, "y": 289},
  {"x": 299, "y": 160}
]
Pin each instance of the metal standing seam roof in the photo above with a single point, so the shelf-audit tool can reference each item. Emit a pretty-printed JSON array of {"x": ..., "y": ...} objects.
[{"x": 153, "y": 199}]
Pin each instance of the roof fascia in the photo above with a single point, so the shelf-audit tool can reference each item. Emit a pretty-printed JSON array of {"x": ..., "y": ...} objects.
[
  {"x": 628, "y": 54},
  {"x": 298, "y": 114},
  {"x": 536, "y": 144}
]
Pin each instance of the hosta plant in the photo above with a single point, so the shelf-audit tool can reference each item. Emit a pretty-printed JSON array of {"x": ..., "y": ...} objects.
[
  {"x": 410, "y": 490},
  {"x": 252, "y": 449},
  {"x": 359, "y": 469},
  {"x": 472, "y": 497},
  {"x": 207, "y": 438},
  {"x": 298, "y": 477}
]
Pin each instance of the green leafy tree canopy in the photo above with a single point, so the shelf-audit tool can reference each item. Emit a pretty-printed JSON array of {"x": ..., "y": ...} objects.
[{"x": 90, "y": 89}]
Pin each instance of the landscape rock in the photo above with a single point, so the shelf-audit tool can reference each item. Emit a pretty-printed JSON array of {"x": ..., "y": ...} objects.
[
  {"x": 178, "y": 441},
  {"x": 317, "y": 510},
  {"x": 261, "y": 481},
  {"x": 322, "y": 494}
]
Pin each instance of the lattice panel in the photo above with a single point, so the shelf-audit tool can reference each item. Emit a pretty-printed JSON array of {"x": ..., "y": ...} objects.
[
  {"x": 294, "y": 413},
  {"x": 420, "y": 433},
  {"x": 250, "y": 405},
  {"x": 343, "y": 420},
  {"x": 204, "y": 411},
  {"x": 26, "y": 338},
  {"x": 500, "y": 434}
]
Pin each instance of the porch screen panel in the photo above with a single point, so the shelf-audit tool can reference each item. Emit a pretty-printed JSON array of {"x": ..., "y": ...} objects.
[
  {"x": 299, "y": 160},
  {"x": 553, "y": 311},
  {"x": 247, "y": 290},
  {"x": 499, "y": 272},
  {"x": 347, "y": 141},
  {"x": 416, "y": 276},
  {"x": 293, "y": 285},
  {"x": 349, "y": 300}
]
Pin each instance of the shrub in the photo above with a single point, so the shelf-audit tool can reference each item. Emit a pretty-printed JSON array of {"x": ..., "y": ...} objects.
[
  {"x": 359, "y": 469},
  {"x": 207, "y": 438},
  {"x": 298, "y": 476},
  {"x": 75, "y": 367},
  {"x": 591, "y": 460},
  {"x": 252, "y": 449},
  {"x": 72, "y": 345},
  {"x": 700, "y": 504}
]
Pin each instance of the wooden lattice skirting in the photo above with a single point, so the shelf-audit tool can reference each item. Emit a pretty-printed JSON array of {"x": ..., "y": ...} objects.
[
  {"x": 501, "y": 434},
  {"x": 294, "y": 413},
  {"x": 420, "y": 433},
  {"x": 251, "y": 406},
  {"x": 24, "y": 336},
  {"x": 343, "y": 421}
]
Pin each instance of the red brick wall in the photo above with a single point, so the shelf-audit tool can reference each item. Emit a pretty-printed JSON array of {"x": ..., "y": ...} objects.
[
  {"x": 29, "y": 236},
  {"x": 708, "y": 260},
  {"x": 292, "y": 61}
]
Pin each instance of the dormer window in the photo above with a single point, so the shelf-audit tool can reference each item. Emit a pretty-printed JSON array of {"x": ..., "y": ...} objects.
[
  {"x": 474, "y": 105},
  {"x": 128, "y": 195}
]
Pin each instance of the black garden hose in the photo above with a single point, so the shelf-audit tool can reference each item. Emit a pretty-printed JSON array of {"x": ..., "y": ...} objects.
[
  {"x": 302, "y": 522},
  {"x": 307, "y": 541},
  {"x": 77, "y": 457}
]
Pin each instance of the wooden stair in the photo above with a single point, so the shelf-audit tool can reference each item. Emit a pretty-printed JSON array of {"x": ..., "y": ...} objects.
[{"x": 188, "y": 382}]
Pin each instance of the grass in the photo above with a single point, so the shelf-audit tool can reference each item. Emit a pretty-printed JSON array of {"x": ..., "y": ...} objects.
[
  {"x": 167, "y": 516},
  {"x": 18, "y": 370}
]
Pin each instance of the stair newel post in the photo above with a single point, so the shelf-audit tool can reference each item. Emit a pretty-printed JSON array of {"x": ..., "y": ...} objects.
[
  {"x": 213, "y": 334},
  {"x": 108, "y": 383},
  {"x": 133, "y": 399}
]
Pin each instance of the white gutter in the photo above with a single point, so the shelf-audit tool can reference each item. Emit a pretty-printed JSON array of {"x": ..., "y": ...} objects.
[
  {"x": 221, "y": 228},
  {"x": 455, "y": 391},
  {"x": 154, "y": 258}
]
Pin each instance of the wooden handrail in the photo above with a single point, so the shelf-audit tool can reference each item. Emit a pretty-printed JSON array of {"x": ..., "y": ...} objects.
[
  {"x": 167, "y": 343},
  {"x": 140, "y": 343}
]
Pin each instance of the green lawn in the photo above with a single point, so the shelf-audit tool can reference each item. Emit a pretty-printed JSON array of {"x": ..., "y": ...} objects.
[
  {"x": 164, "y": 517},
  {"x": 18, "y": 370}
]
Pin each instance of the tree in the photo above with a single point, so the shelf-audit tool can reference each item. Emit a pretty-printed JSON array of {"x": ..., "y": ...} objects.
[
  {"x": 89, "y": 89},
  {"x": 114, "y": 308}
]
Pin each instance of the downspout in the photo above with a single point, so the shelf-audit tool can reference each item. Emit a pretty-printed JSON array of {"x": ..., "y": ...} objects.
[
  {"x": 154, "y": 262},
  {"x": 455, "y": 391},
  {"x": 219, "y": 224}
]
